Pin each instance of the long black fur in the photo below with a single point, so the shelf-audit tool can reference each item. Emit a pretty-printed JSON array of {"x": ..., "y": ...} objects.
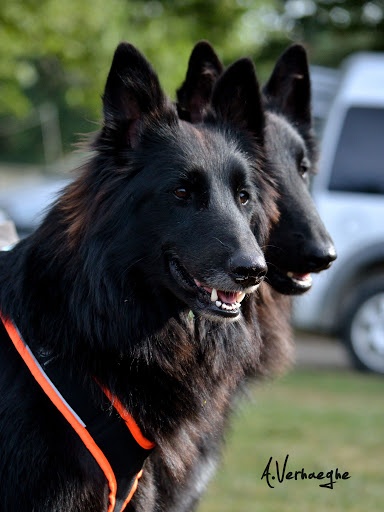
[
  {"x": 93, "y": 287},
  {"x": 298, "y": 241}
]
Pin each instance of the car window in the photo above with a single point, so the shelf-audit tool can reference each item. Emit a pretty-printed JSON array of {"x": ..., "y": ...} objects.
[{"x": 359, "y": 161}]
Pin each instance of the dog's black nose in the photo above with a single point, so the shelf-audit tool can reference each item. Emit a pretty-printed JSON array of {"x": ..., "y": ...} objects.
[
  {"x": 248, "y": 270},
  {"x": 320, "y": 258}
]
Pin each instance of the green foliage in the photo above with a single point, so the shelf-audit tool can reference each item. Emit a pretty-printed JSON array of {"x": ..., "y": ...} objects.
[
  {"x": 52, "y": 48},
  {"x": 60, "y": 52},
  {"x": 332, "y": 29}
]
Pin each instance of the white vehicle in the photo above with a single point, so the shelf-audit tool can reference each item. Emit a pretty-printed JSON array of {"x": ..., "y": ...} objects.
[{"x": 348, "y": 299}]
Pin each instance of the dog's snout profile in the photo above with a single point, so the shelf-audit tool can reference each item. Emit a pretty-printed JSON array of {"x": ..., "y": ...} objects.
[{"x": 320, "y": 258}]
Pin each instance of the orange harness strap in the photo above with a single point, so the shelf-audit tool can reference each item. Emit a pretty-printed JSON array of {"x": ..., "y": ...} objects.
[{"x": 77, "y": 423}]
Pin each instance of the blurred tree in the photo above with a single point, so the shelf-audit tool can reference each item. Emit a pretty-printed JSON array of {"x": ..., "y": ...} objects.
[
  {"x": 332, "y": 29},
  {"x": 55, "y": 53},
  {"x": 59, "y": 52},
  {"x": 69, "y": 44}
]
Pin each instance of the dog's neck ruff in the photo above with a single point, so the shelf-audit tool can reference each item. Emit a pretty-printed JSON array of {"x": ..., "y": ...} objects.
[{"x": 114, "y": 440}]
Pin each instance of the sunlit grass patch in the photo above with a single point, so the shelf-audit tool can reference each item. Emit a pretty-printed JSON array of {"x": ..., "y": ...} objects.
[{"x": 324, "y": 421}]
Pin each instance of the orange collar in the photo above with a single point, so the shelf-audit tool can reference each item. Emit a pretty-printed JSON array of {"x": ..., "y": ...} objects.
[{"x": 122, "y": 440}]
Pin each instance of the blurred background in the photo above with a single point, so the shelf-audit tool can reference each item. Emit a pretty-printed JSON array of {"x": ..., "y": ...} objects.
[
  {"x": 54, "y": 59},
  {"x": 55, "y": 55}
]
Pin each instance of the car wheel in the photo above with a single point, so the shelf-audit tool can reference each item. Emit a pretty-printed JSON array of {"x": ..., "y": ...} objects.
[{"x": 363, "y": 331}]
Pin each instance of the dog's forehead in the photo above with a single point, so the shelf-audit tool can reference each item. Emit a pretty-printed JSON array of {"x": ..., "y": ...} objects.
[
  {"x": 210, "y": 147},
  {"x": 199, "y": 134},
  {"x": 281, "y": 133},
  {"x": 202, "y": 137}
]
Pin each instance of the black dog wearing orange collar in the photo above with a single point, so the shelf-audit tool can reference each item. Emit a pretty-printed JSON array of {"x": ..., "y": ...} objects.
[{"x": 163, "y": 225}]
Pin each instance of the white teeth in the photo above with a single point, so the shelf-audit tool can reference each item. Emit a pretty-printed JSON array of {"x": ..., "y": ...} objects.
[
  {"x": 228, "y": 307},
  {"x": 240, "y": 296},
  {"x": 214, "y": 295}
]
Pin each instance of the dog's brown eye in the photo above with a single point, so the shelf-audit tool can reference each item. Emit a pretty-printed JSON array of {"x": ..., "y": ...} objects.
[
  {"x": 243, "y": 197},
  {"x": 182, "y": 193}
]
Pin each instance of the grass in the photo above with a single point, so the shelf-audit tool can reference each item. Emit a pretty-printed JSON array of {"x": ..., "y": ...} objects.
[{"x": 323, "y": 420}]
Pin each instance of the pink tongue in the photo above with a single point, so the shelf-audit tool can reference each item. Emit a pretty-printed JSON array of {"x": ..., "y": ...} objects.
[
  {"x": 301, "y": 277},
  {"x": 228, "y": 297}
]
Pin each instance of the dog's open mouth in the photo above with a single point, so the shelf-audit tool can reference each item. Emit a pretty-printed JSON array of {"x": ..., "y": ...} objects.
[
  {"x": 222, "y": 303},
  {"x": 290, "y": 283},
  {"x": 227, "y": 301}
]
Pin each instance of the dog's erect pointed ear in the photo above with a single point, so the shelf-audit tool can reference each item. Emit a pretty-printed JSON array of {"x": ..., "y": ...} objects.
[
  {"x": 194, "y": 95},
  {"x": 131, "y": 93},
  {"x": 236, "y": 98},
  {"x": 289, "y": 87}
]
